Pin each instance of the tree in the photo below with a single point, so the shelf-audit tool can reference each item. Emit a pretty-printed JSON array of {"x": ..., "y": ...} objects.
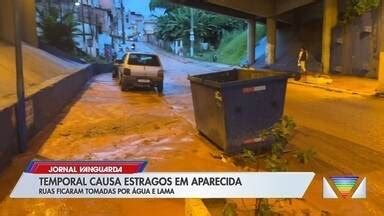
[
  {"x": 208, "y": 26},
  {"x": 173, "y": 26},
  {"x": 357, "y": 8},
  {"x": 58, "y": 31}
]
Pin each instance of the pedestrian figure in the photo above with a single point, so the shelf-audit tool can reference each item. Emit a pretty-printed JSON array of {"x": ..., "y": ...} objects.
[
  {"x": 302, "y": 61},
  {"x": 181, "y": 51}
]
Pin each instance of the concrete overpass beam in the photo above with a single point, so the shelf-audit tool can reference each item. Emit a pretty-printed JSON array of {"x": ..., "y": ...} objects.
[
  {"x": 251, "y": 45},
  {"x": 262, "y": 8},
  {"x": 271, "y": 41},
  {"x": 330, "y": 13},
  {"x": 282, "y": 6}
]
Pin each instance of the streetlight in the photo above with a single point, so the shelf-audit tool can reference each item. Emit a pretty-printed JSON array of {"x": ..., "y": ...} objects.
[
  {"x": 122, "y": 19},
  {"x": 192, "y": 34},
  {"x": 20, "y": 106}
]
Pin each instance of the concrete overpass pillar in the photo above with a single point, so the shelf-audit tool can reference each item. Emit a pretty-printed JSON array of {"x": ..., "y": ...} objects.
[
  {"x": 27, "y": 18},
  {"x": 380, "y": 71},
  {"x": 251, "y": 45},
  {"x": 6, "y": 21},
  {"x": 271, "y": 41},
  {"x": 330, "y": 13},
  {"x": 380, "y": 36}
]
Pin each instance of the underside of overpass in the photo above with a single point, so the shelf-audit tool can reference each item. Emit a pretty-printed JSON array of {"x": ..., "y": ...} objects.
[
  {"x": 277, "y": 14},
  {"x": 272, "y": 12},
  {"x": 247, "y": 9}
]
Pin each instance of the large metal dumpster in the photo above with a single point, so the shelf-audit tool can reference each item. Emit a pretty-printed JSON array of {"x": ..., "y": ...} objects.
[{"x": 233, "y": 107}]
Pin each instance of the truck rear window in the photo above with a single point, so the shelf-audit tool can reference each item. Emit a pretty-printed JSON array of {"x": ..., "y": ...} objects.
[{"x": 143, "y": 59}]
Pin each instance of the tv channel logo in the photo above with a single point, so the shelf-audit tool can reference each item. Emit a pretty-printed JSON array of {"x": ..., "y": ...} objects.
[{"x": 344, "y": 186}]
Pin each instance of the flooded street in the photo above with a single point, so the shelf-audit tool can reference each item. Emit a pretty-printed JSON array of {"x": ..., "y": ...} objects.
[
  {"x": 104, "y": 123},
  {"x": 107, "y": 124}
]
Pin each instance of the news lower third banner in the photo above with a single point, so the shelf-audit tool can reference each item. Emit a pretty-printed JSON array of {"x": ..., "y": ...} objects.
[{"x": 126, "y": 179}]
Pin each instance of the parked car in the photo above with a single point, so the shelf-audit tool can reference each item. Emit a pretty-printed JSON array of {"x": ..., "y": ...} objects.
[{"x": 141, "y": 70}]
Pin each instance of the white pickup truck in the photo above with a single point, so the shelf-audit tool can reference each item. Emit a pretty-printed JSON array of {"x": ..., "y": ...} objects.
[{"x": 141, "y": 70}]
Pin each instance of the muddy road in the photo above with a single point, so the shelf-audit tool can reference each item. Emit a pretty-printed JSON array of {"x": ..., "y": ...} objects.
[{"x": 103, "y": 123}]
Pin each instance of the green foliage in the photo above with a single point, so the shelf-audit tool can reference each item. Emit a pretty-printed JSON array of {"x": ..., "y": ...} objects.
[
  {"x": 275, "y": 163},
  {"x": 280, "y": 134},
  {"x": 233, "y": 46},
  {"x": 357, "y": 8},
  {"x": 208, "y": 26},
  {"x": 264, "y": 208},
  {"x": 305, "y": 156},
  {"x": 173, "y": 26},
  {"x": 230, "y": 209},
  {"x": 249, "y": 155},
  {"x": 58, "y": 31},
  {"x": 227, "y": 34}
]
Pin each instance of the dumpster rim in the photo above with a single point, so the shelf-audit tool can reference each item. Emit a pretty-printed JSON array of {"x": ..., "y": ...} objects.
[{"x": 206, "y": 82}]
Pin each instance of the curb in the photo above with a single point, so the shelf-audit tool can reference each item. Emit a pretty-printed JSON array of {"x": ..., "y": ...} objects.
[
  {"x": 333, "y": 89},
  {"x": 196, "y": 207},
  {"x": 184, "y": 59},
  {"x": 168, "y": 54}
]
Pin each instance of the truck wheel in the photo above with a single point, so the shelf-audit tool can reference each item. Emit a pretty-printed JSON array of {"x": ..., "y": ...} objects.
[
  {"x": 160, "y": 88},
  {"x": 123, "y": 87}
]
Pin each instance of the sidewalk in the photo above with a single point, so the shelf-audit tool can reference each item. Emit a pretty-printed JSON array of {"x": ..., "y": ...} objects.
[
  {"x": 186, "y": 60},
  {"x": 341, "y": 83},
  {"x": 336, "y": 83}
]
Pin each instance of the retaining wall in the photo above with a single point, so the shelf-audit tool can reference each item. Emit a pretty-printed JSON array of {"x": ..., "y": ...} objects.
[{"x": 41, "y": 108}]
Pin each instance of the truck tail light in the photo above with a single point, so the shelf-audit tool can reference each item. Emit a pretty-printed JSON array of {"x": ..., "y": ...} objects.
[
  {"x": 160, "y": 73},
  {"x": 127, "y": 72}
]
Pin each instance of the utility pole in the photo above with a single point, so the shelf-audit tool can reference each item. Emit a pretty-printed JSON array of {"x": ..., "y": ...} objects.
[
  {"x": 82, "y": 21},
  {"x": 60, "y": 12},
  {"x": 20, "y": 106},
  {"x": 122, "y": 19},
  {"x": 49, "y": 4},
  {"x": 94, "y": 16},
  {"x": 192, "y": 34},
  {"x": 96, "y": 27}
]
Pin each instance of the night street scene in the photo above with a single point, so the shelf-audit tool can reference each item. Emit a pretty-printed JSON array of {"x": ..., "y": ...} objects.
[{"x": 192, "y": 107}]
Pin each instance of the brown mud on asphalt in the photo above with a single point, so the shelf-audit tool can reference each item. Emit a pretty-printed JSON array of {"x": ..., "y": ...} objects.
[
  {"x": 345, "y": 131},
  {"x": 107, "y": 124}
]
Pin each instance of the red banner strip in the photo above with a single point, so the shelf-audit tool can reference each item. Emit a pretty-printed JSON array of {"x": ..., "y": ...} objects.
[{"x": 86, "y": 167}]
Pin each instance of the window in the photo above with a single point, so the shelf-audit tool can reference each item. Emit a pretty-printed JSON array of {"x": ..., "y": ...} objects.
[{"x": 143, "y": 59}]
